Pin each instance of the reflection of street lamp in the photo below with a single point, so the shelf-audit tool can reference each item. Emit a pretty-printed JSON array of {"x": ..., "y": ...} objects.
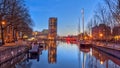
[
  {"x": 2, "y": 31},
  {"x": 90, "y": 37},
  {"x": 101, "y": 62}
]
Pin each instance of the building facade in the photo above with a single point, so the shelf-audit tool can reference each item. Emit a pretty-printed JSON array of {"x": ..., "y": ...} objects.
[
  {"x": 44, "y": 34},
  {"x": 52, "y": 28},
  {"x": 116, "y": 31},
  {"x": 101, "y": 32},
  {"x": 95, "y": 32}
]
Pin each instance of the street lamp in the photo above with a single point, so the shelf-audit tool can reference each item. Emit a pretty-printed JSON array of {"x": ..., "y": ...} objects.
[
  {"x": 3, "y": 22},
  {"x": 2, "y": 31},
  {"x": 101, "y": 35}
]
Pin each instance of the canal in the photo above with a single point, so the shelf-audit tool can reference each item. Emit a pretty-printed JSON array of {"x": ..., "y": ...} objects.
[{"x": 64, "y": 55}]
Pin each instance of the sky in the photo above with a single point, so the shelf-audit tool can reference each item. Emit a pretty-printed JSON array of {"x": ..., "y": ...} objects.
[{"x": 68, "y": 13}]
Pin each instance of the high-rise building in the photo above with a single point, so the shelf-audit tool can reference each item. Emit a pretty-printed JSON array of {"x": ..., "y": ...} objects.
[{"x": 52, "y": 28}]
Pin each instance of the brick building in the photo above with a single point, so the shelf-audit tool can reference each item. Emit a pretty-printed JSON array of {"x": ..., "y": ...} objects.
[{"x": 101, "y": 32}]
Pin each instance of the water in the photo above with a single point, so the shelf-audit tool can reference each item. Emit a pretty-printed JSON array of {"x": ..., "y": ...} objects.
[{"x": 67, "y": 55}]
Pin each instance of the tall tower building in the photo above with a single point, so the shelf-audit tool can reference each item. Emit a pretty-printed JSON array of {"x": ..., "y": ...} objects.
[{"x": 52, "y": 28}]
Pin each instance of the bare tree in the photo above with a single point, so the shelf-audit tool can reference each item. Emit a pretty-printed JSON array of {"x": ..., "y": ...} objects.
[
  {"x": 89, "y": 26},
  {"x": 101, "y": 14},
  {"x": 114, "y": 7},
  {"x": 15, "y": 13}
]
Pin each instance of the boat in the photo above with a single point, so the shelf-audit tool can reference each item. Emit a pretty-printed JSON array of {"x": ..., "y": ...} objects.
[
  {"x": 83, "y": 43},
  {"x": 85, "y": 47}
]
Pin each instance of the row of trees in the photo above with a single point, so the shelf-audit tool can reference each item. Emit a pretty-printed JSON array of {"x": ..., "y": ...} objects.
[
  {"x": 15, "y": 14},
  {"x": 107, "y": 13}
]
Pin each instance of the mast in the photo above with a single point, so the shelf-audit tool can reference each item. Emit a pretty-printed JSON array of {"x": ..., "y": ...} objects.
[
  {"x": 79, "y": 29},
  {"x": 82, "y": 11}
]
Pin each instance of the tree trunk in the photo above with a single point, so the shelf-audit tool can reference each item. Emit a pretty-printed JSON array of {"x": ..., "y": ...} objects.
[{"x": 2, "y": 35}]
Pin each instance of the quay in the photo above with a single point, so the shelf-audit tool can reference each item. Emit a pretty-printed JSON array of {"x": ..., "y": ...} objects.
[
  {"x": 9, "y": 52},
  {"x": 108, "y": 50},
  {"x": 11, "y": 63},
  {"x": 102, "y": 56},
  {"x": 111, "y": 49}
]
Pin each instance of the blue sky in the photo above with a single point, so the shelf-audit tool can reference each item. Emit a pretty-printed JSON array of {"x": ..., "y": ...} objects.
[{"x": 67, "y": 11}]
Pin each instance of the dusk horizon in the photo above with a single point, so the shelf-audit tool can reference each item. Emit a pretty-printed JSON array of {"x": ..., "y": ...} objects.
[
  {"x": 59, "y": 33},
  {"x": 68, "y": 13}
]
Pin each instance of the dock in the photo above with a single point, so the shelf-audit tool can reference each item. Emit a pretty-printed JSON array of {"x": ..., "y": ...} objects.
[
  {"x": 34, "y": 53},
  {"x": 35, "y": 49}
]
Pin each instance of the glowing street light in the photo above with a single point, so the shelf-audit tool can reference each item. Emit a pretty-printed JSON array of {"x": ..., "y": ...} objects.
[
  {"x": 3, "y": 22},
  {"x": 101, "y": 35}
]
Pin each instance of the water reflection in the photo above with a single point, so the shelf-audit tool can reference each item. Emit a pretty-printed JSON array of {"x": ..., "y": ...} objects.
[
  {"x": 24, "y": 64},
  {"x": 83, "y": 56},
  {"x": 95, "y": 58},
  {"x": 65, "y": 55},
  {"x": 11, "y": 63},
  {"x": 84, "y": 49},
  {"x": 34, "y": 57},
  {"x": 52, "y": 50},
  {"x": 105, "y": 60}
]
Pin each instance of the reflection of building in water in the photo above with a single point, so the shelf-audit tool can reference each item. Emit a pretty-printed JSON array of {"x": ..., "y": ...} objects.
[
  {"x": 52, "y": 51},
  {"x": 103, "y": 60},
  {"x": 99, "y": 56},
  {"x": 13, "y": 63},
  {"x": 85, "y": 49},
  {"x": 52, "y": 28},
  {"x": 97, "y": 59},
  {"x": 84, "y": 61}
]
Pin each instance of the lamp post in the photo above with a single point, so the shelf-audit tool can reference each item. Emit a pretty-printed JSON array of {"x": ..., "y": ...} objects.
[
  {"x": 101, "y": 35},
  {"x": 2, "y": 31}
]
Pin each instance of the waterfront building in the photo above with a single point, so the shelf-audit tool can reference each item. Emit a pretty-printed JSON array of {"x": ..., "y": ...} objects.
[
  {"x": 101, "y": 32},
  {"x": 44, "y": 34},
  {"x": 95, "y": 32},
  {"x": 116, "y": 32},
  {"x": 52, "y": 28}
]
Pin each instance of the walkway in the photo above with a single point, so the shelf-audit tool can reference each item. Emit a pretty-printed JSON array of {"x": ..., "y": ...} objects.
[{"x": 107, "y": 45}]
